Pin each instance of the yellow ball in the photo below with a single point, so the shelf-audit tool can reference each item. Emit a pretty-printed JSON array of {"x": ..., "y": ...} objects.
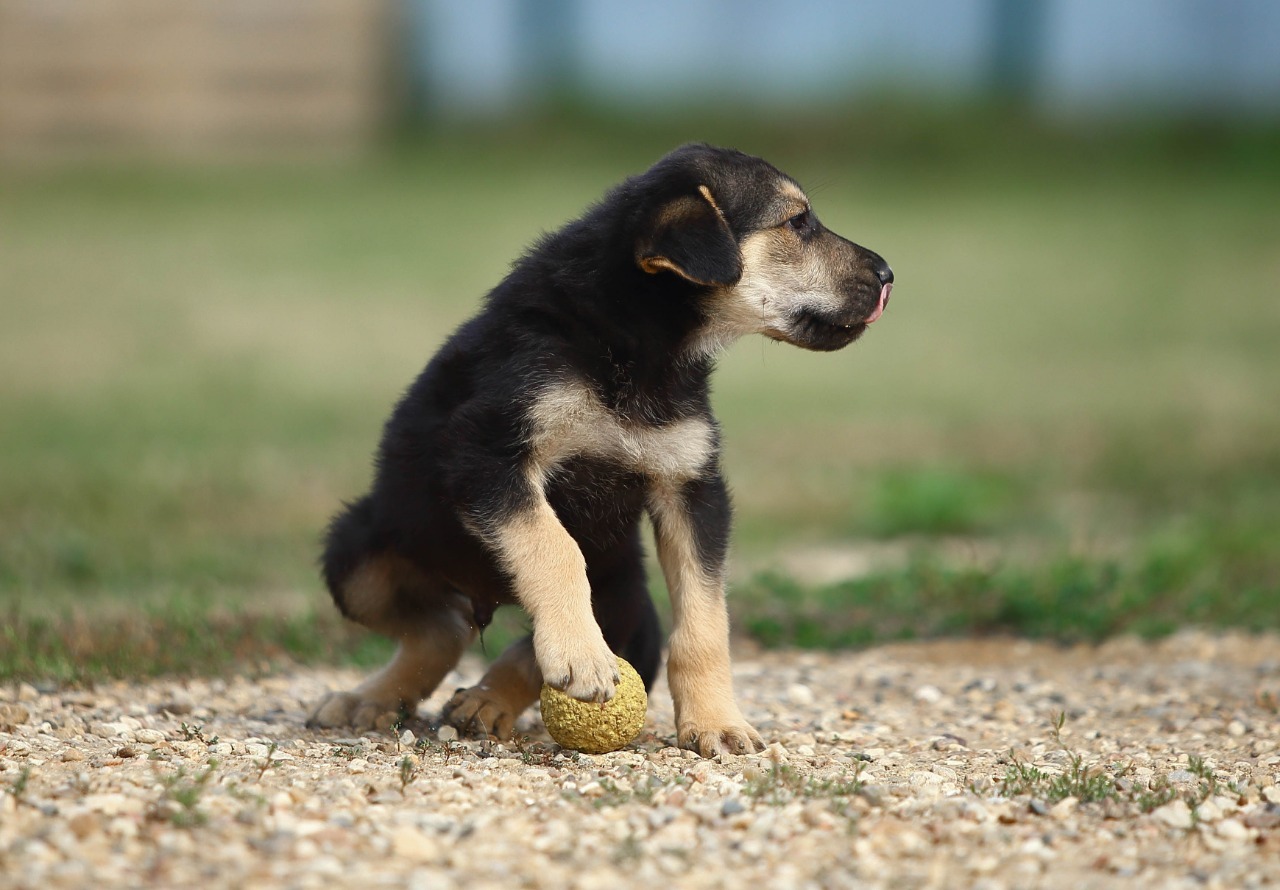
[{"x": 594, "y": 727}]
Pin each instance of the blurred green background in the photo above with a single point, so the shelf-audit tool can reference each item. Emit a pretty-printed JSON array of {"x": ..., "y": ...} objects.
[{"x": 1064, "y": 426}]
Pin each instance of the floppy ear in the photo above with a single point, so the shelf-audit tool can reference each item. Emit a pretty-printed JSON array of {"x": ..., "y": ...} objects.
[{"x": 690, "y": 237}]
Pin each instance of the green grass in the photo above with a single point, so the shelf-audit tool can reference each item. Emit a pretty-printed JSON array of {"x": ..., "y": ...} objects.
[
  {"x": 1207, "y": 574},
  {"x": 1066, "y": 418},
  {"x": 1096, "y": 783}
]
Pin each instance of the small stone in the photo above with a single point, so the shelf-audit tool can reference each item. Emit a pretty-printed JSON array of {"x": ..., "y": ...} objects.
[
  {"x": 1236, "y": 729},
  {"x": 148, "y": 736},
  {"x": 929, "y": 695},
  {"x": 731, "y": 806},
  {"x": 1271, "y": 794},
  {"x": 1232, "y": 830},
  {"x": 1064, "y": 808},
  {"x": 106, "y": 730},
  {"x": 27, "y": 692},
  {"x": 113, "y": 804},
  {"x": 701, "y": 771},
  {"x": 176, "y": 707},
  {"x": 800, "y": 695},
  {"x": 12, "y": 715},
  {"x": 414, "y": 844},
  {"x": 1263, "y": 817},
  {"x": 447, "y": 733},
  {"x": 1208, "y": 812},
  {"x": 72, "y": 755},
  {"x": 407, "y": 738},
  {"x": 875, "y": 795},
  {"x": 1175, "y": 814},
  {"x": 83, "y": 824},
  {"x": 357, "y": 765}
]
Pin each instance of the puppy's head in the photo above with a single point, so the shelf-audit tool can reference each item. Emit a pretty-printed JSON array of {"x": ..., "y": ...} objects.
[{"x": 745, "y": 235}]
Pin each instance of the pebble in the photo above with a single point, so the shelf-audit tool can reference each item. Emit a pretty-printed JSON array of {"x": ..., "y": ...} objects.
[
  {"x": 800, "y": 695},
  {"x": 11, "y": 715},
  {"x": 1232, "y": 829},
  {"x": 1175, "y": 814}
]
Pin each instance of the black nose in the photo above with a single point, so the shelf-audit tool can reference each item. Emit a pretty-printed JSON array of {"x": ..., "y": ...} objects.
[{"x": 884, "y": 273}]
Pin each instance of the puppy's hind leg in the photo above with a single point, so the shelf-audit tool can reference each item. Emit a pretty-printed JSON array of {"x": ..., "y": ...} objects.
[
  {"x": 431, "y": 625},
  {"x": 492, "y": 706}
]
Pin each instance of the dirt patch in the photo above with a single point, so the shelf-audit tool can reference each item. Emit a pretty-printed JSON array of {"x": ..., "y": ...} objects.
[{"x": 972, "y": 763}]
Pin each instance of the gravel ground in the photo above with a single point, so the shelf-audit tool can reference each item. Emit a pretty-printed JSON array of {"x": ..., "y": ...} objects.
[{"x": 887, "y": 768}]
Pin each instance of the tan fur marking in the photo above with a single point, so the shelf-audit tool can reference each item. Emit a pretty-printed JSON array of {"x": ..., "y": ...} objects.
[
  {"x": 790, "y": 190},
  {"x": 421, "y": 661},
  {"x": 550, "y": 577},
  {"x": 369, "y": 590},
  {"x": 706, "y": 193},
  {"x": 569, "y": 420},
  {"x": 655, "y": 264},
  {"x": 698, "y": 665},
  {"x": 544, "y": 560},
  {"x": 494, "y": 704}
]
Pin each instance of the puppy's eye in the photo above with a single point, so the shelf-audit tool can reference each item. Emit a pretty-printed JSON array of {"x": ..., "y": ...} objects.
[{"x": 799, "y": 222}]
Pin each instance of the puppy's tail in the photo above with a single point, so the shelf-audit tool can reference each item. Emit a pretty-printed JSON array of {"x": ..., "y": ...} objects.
[{"x": 349, "y": 542}]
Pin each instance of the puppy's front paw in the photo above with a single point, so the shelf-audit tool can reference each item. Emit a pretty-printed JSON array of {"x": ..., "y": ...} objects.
[
  {"x": 585, "y": 670},
  {"x": 732, "y": 735},
  {"x": 352, "y": 710},
  {"x": 482, "y": 712}
]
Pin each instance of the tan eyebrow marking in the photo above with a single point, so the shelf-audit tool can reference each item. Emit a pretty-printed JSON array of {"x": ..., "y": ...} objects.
[{"x": 791, "y": 201}]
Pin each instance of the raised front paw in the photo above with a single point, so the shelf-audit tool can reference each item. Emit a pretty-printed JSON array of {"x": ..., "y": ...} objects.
[
  {"x": 352, "y": 710},
  {"x": 730, "y": 735},
  {"x": 585, "y": 670},
  {"x": 481, "y": 712}
]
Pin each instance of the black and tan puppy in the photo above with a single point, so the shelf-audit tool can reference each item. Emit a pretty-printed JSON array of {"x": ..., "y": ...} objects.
[{"x": 516, "y": 469}]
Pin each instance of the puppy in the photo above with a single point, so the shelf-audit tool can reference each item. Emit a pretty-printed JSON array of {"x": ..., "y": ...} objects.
[{"x": 517, "y": 467}]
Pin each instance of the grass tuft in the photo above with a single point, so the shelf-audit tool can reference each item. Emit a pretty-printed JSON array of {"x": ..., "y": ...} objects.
[{"x": 1096, "y": 784}]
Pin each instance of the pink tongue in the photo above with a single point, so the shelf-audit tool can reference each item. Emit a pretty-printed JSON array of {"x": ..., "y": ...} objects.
[{"x": 884, "y": 298}]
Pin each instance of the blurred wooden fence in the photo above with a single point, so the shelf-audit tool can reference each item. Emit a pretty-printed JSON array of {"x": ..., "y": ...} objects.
[{"x": 192, "y": 78}]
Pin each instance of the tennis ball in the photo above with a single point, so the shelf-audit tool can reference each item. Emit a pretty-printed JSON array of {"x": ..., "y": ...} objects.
[{"x": 596, "y": 727}]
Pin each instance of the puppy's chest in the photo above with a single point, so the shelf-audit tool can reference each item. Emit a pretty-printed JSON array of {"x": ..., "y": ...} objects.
[{"x": 568, "y": 421}]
